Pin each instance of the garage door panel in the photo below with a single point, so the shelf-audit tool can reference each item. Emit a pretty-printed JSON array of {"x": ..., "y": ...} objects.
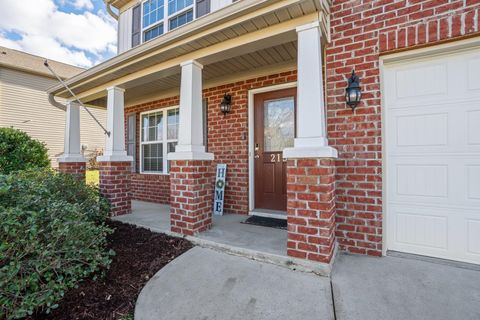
[
  {"x": 473, "y": 182},
  {"x": 448, "y": 180},
  {"x": 473, "y": 237},
  {"x": 422, "y": 130},
  {"x": 473, "y": 69},
  {"x": 420, "y": 230},
  {"x": 432, "y": 127},
  {"x": 473, "y": 127}
]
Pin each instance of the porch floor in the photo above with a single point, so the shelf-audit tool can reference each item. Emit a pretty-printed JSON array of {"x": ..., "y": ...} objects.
[{"x": 227, "y": 230}]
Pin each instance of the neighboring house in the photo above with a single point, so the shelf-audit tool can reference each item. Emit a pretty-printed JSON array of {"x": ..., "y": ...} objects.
[
  {"x": 401, "y": 172},
  {"x": 24, "y": 103}
]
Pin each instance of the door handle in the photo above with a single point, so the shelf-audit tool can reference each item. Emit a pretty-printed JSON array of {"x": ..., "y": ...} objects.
[{"x": 257, "y": 156}]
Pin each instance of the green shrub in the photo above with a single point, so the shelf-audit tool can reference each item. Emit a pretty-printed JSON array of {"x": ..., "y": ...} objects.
[
  {"x": 52, "y": 236},
  {"x": 18, "y": 151}
]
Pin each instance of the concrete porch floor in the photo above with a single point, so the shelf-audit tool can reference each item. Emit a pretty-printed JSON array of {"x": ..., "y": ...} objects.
[{"x": 227, "y": 230}]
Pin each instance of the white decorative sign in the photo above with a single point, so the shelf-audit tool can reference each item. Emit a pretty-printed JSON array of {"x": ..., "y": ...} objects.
[{"x": 219, "y": 189}]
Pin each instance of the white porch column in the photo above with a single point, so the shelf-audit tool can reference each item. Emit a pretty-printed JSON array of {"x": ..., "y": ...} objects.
[
  {"x": 72, "y": 148},
  {"x": 311, "y": 140},
  {"x": 115, "y": 143},
  {"x": 190, "y": 136}
]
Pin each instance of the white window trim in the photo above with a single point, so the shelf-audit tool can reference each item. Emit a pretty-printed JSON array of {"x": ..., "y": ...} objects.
[
  {"x": 166, "y": 19},
  {"x": 164, "y": 141}
]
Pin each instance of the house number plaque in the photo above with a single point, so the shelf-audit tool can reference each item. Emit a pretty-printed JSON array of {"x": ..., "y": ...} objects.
[{"x": 219, "y": 196}]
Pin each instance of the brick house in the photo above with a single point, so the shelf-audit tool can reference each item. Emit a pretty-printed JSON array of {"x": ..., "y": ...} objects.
[{"x": 400, "y": 172}]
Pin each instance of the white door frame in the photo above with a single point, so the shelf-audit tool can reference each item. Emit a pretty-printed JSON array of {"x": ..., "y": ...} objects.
[
  {"x": 439, "y": 49},
  {"x": 251, "y": 143}
]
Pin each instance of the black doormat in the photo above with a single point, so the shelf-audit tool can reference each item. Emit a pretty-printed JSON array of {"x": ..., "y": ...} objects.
[{"x": 267, "y": 222}]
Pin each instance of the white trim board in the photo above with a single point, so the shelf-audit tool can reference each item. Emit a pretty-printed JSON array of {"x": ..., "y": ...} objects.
[{"x": 251, "y": 142}]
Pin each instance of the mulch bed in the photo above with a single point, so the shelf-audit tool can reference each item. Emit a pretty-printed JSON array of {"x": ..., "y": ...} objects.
[{"x": 139, "y": 255}]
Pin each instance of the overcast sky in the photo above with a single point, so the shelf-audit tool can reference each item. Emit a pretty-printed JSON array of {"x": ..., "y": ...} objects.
[{"x": 78, "y": 32}]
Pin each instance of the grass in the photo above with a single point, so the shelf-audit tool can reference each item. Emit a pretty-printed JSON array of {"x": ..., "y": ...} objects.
[{"x": 92, "y": 177}]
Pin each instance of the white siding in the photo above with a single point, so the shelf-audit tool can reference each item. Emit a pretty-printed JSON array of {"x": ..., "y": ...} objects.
[
  {"x": 218, "y": 4},
  {"x": 125, "y": 24},
  {"x": 24, "y": 105},
  {"x": 125, "y": 31}
]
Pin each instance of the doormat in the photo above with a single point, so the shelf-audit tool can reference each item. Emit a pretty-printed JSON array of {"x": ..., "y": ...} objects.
[{"x": 267, "y": 222}]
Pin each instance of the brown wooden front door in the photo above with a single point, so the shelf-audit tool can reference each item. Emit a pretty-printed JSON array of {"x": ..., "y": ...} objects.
[{"x": 274, "y": 131}]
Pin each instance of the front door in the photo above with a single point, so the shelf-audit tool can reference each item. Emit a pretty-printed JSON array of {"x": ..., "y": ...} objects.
[{"x": 274, "y": 131}]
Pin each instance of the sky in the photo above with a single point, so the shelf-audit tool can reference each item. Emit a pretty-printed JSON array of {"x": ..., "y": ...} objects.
[{"x": 77, "y": 32}]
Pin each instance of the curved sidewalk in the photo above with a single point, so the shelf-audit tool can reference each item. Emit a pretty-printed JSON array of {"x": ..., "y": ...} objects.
[{"x": 205, "y": 284}]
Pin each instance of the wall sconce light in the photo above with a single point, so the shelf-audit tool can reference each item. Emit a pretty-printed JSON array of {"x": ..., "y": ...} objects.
[
  {"x": 353, "y": 94},
  {"x": 226, "y": 105}
]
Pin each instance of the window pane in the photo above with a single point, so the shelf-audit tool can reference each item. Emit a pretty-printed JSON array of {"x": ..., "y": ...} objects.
[
  {"x": 145, "y": 128},
  {"x": 152, "y": 12},
  {"x": 159, "y": 126},
  {"x": 152, "y": 155},
  {"x": 279, "y": 124},
  {"x": 172, "y": 132},
  {"x": 181, "y": 19},
  {"x": 178, "y": 5},
  {"x": 153, "y": 33},
  {"x": 170, "y": 148}
]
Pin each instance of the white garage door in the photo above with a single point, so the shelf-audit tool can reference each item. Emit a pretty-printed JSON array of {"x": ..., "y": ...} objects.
[{"x": 432, "y": 146}]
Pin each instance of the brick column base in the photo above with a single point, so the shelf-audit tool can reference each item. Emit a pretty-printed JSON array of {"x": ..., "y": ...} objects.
[
  {"x": 191, "y": 196},
  {"x": 115, "y": 180},
  {"x": 76, "y": 169},
  {"x": 311, "y": 209}
]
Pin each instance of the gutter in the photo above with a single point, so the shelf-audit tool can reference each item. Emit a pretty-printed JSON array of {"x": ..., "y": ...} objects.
[
  {"x": 55, "y": 103},
  {"x": 110, "y": 11}
]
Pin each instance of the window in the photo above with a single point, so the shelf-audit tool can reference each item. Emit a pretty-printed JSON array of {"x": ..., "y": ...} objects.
[
  {"x": 158, "y": 138},
  {"x": 181, "y": 19},
  {"x": 153, "y": 33},
  {"x": 152, "y": 12},
  {"x": 178, "y": 5}
]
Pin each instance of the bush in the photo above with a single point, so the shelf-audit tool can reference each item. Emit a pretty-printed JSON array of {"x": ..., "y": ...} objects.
[
  {"x": 52, "y": 236},
  {"x": 18, "y": 151}
]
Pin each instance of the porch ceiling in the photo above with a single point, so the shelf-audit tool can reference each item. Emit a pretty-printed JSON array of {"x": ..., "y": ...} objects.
[
  {"x": 284, "y": 55},
  {"x": 245, "y": 35}
]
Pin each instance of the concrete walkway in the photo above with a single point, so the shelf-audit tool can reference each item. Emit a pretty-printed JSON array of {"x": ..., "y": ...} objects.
[
  {"x": 204, "y": 284},
  {"x": 392, "y": 288}
]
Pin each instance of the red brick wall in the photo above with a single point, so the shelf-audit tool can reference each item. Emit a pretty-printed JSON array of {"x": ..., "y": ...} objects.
[
  {"x": 311, "y": 209},
  {"x": 77, "y": 169},
  {"x": 192, "y": 194},
  {"x": 115, "y": 183},
  {"x": 227, "y": 139},
  {"x": 361, "y": 30}
]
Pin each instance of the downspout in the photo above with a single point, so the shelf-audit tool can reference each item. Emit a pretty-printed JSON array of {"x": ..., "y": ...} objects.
[
  {"x": 55, "y": 103},
  {"x": 110, "y": 11}
]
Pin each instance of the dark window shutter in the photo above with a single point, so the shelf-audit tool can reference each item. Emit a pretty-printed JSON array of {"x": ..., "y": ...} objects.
[
  {"x": 205, "y": 122},
  {"x": 203, "y": 7},
  {"x": 131, "y": 138},
  {"x": 136, "y": 26}
]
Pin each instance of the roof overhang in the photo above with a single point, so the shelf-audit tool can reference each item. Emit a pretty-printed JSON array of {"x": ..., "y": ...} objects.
[{"x": 240, "y": 28}]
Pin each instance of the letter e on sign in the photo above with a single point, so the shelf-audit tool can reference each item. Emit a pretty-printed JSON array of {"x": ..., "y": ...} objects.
[{"x": 221, "y": 176}]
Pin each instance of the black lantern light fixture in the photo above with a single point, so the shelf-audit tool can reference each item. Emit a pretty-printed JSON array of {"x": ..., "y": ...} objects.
[
  {"x": 226, "y": 105},
  {"x": 353, "y": 94}
]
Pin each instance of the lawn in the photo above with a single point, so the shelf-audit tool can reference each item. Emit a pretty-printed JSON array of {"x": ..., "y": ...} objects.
[{"x": 92, "y": 177}]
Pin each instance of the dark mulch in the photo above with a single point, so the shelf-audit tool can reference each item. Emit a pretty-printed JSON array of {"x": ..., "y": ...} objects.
[{"x": 139, "y": 255}]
